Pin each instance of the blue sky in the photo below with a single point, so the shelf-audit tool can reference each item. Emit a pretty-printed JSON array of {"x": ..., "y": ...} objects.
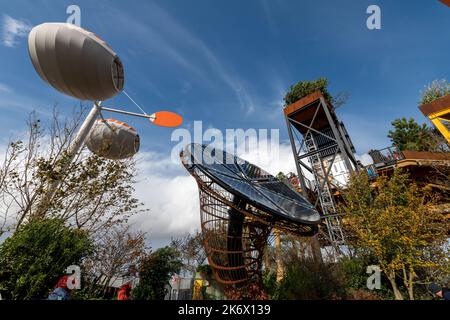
[{"x": 229, "y": 63}]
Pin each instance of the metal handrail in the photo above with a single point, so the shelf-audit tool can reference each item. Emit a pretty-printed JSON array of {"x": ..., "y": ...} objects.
[{"x": 386, "y": 156}]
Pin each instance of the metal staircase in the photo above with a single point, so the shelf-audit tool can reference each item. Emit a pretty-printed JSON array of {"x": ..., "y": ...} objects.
[{"x": 323, "y": 192}]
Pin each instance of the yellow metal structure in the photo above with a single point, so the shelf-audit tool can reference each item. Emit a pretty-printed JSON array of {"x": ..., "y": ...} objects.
[
  {"x": 438, "y": 112},
  {"x": 198, "y": 286},
  {"x": 438, "y": 118}
]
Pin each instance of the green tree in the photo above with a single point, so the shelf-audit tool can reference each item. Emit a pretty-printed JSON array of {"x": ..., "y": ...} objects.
[
  {"x": 155, "y": 272},
  {"x": 395, "y": 225},
  {"x": 36, "y": 255},
  {"x": 94, "y": 193},
  {"x": 409, "y": 135}
]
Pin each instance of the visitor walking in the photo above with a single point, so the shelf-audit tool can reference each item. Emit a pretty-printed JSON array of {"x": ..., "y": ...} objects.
[{"x": 438, "y": 291}]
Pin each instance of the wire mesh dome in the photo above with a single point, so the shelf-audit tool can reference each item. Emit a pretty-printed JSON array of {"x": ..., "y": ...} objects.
[
  {"x": 113, "y": 139},
  {"x": 75, "y": 61},
  {"x": 239, "y": 205}
]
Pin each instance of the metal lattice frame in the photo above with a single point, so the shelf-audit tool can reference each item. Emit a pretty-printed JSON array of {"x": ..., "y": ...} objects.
[
  {"x": 235, "y": 232},
  {"x": 305, "y": 146}
]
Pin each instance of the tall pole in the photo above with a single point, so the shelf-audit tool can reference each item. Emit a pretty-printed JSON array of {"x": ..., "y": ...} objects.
[
  {"x": 278, "y": 253},
  {"x": 85, "y": 128},
  {"x": 72, "y": 151}
]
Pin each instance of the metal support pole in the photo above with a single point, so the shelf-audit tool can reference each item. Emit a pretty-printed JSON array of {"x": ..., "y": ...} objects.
[
  {"x": 339, "y": 142},
  {"x": 85, "y": 128},
  {"x": 72, "y": 151},
  {"x": 278, "y": 253},
  {"x": 315, "y": 245},
  {"x": 151, "y": 117},
  {"x": 294, "y": 150}
]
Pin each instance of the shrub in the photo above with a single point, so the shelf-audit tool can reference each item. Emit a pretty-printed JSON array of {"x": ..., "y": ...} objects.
[
  {"x": 155, "y": 272},
  {"x": 36, "y": 255},
  {"x": 312, "y": 281},
  {"x": 355, "y": 269},
  {"x": 304, "y": 88},
  {"x": 270, "y": 282},
  {"x": 435, "y": 90},
  {"x": 205, "y": 269}
]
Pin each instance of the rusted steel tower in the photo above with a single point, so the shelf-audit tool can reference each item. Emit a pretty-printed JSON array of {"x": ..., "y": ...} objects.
[{"x": 323, "y": 155}]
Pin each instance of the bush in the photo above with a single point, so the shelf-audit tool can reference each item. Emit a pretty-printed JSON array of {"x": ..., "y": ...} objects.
[
  {"x": 155, "y": 272},
  {"x": 435, "y": 90},
  {"x": 356, "y": 280},
  {"x": 205, "y": 269},
  {"x": 36, "y": 256},
  {"x": 355, "y": 272},
  {"x": 304, "y": 88},
  {"x": 309, "y": 280},
  {"x": 270, "y": 284}
]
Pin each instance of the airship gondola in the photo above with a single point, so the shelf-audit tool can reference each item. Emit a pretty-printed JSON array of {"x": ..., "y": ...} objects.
[
  {"x": 75, "y": 61},
  {"x": 113, "y": 139}
]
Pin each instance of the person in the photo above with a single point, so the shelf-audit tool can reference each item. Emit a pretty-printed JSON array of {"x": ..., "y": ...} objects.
[
  {"x": 60, "y": 291},
  {"x": 124, "y": 292},
  {"x": 130, "y": 280},
  {"x": 438, "y": 291}
]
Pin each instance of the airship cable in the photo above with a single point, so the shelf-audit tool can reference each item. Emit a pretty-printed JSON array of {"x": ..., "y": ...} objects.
[{"x": 133, "y": 101}]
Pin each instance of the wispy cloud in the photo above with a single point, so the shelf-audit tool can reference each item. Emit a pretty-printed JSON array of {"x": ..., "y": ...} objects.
[
  {"x": 233, "y": 81},
  {"x": 164, "y": 34},
  {"x": 15, "y": 103},
  {"x": 269, "y": 16},
  {"x": 5, "y": 88},
  {"x": 174, "y": 208},
  {"x": 13, "y": 29}
]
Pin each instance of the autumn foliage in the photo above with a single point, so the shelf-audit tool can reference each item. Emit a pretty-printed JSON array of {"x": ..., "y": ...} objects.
[{"x": 394, "y": 223}]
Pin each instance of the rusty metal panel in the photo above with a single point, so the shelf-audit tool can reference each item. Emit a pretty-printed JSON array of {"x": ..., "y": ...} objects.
[
  {"x": 292, "y": 108},
  {"x": 423, "y": 155},
  {"x": 436, "y": 106}
]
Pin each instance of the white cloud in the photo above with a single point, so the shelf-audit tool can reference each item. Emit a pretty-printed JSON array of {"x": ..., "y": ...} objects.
[
  {"x": 171, "y": 194},
  {"x": 272, "y": 162},
  {"x": 12, "y": 29},
  {"x": 365, "y": 159}
]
